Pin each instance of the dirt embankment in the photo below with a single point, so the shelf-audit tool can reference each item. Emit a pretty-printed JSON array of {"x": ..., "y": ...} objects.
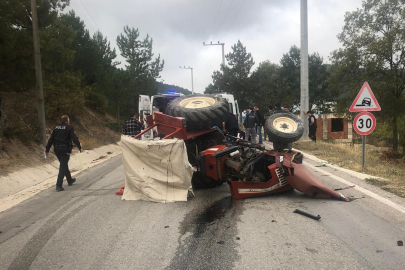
[{"x": 19, "y": 145}]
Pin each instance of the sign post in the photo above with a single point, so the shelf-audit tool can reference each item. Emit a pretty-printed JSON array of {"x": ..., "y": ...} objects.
[{"x": 364, "y": 123}]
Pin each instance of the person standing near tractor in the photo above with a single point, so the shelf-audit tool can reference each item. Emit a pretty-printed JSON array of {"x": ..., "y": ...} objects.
[
  {"x": 250, "y": 125},
  {"x": 260, "y": 123},
  {"x": 312, "y": 125},
  {"x": 132, "y": 126},
  {"x": 61, "y": 139}
]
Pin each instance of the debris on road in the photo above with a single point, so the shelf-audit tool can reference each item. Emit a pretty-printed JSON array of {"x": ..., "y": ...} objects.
[
  {"x": 400, "y": 243},
  {"x": 167, "y": 227},
  {"x": 221, "y": 242},
  {"x": 344, "y": 188},
  {"x": 318, "y": 217},
  {"x": 237, "y": 238}
]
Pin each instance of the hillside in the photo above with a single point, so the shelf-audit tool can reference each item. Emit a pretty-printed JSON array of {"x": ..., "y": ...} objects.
[{"x": 19, "y": 145}]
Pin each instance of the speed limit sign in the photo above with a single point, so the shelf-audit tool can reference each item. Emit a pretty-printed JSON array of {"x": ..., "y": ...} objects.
[{"x": 364, "y": 123}]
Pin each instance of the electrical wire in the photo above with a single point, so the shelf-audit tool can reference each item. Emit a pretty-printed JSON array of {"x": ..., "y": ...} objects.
[
  {"x": 234, "y": 18},
  {"x": 84, "y": 16},
  {"x": 89, "y": 14},
  {"x": 226, "y": 15}
]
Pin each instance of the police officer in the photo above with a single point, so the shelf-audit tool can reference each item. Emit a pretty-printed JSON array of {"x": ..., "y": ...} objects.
[{"x": 61, "y": 139}]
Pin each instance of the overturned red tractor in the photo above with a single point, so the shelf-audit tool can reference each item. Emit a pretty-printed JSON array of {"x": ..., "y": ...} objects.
[{"x": 249, "y": 169}]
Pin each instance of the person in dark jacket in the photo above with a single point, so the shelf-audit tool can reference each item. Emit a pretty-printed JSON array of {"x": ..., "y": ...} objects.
[
  {"x": 231, "y": 126},
  {"x": 312, "y": 125},
  {"x": 250, "y": 125},
  {"x": 61, "y": 139},
  {"x": 132, "y": 126},
  {"x": 260, "y": 123},
  {"x": 266, "y": 116}
]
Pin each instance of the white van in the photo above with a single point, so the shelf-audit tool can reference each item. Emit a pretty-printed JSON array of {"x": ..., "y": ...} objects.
[{"x": 232, "y": 103}]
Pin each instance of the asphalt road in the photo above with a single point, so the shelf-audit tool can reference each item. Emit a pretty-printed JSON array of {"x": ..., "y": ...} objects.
[{"x": 88, "y": 227}]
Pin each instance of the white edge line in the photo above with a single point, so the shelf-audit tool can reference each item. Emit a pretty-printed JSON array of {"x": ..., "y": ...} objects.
[{"x": 363, "y": 190}]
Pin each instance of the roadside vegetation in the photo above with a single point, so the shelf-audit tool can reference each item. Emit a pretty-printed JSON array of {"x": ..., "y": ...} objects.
[{"x": 380, "y": 161}]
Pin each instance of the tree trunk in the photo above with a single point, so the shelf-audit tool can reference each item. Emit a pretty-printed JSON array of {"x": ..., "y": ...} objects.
[
  {"x": 3, "y": 119},
  {"x": 395, "y": 133},
  {"x": 118, "y": 116}
]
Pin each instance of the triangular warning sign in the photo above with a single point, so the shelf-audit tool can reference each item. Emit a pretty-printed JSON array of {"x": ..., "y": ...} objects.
[{"x": 365, "y": 101}]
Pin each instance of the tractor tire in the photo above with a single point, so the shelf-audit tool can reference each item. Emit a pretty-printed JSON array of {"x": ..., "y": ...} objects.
[
  {"x": 200, "y": 111},
  {"x": 284, "y": 127}
]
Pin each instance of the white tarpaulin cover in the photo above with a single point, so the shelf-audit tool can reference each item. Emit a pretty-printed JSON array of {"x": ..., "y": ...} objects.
[{"x": 156, "y": 171}]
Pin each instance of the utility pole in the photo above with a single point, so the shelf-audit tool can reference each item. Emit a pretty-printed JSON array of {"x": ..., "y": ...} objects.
[
  {"x": 192, "y": 83},
  {"x": 304, "y": 67},
  {"x": 38, "y": 73},
  {"x": 223, "y": 51}
]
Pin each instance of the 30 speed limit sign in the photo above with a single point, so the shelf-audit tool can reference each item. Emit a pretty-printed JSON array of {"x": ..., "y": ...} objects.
[{"x": 364, "y": 123}]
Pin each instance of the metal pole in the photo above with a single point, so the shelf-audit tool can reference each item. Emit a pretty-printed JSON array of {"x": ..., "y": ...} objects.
[
  {"x": 223, "y": 55},
  {"x": 363, "y": 139},
  {"x": 223, "y": 50},
  {"x": 304, "y": 66},
  {"x": 38, "y": 73},
  {"x": 192, "y": 83}
]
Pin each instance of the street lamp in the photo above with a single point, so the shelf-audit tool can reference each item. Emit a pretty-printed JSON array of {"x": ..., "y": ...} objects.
[
  {"x": 192, "y": 83},
  {"x": 223, "y": 52}
]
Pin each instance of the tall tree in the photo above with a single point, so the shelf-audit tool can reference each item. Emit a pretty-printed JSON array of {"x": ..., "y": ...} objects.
[
  {"x": 319, "y": 96},
  {"x": 143, "y": 69},
  {"x": 235, "y": 77},
  {"x": 374, "y": 51}
]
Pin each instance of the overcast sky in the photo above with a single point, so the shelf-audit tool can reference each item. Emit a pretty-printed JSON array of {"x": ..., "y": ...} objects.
[{"x": 268, "y": 28}]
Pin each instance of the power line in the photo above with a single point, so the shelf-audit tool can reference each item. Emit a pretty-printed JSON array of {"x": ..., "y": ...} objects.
[
  {"x": 84, "y": 17},
  {"x": 89, "y": 14},
  {"x": 198, "y": 56},
  {"x": 225, "y": 16},
  {"x": 234, "y": 18}
]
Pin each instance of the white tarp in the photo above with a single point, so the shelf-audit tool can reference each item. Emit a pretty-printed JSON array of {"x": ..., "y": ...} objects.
[{"x": 156, "y": 171}]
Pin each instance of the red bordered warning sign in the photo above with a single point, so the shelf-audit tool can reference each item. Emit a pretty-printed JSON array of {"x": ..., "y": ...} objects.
[
  {"x": 364, "y": 123},
  {"x": 365, "y": 101}
]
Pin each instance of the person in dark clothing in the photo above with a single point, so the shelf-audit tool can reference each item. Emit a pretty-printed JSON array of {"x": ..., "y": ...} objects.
[
  {"x": 231, "y": 126},
  {"x": 61, "y": 139},
  {"x": 270, "y": 111},
  {"x": 260, "y": 123},
  {"x": 250, "y": 124},
  {"x": 132, "y": 127},
  {"x": 312, "y": 125}
]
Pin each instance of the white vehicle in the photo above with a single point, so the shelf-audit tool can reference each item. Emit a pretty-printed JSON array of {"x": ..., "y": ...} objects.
[
  {"x": 147, "y": 105},
  {"x": 233, "y": 104}
]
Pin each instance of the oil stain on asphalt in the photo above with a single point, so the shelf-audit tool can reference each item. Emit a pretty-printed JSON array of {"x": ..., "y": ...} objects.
[{"x": 208, "y": 237}]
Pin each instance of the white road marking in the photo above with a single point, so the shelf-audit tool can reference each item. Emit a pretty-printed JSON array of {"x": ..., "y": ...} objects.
[{"x": 363, "y": 190}]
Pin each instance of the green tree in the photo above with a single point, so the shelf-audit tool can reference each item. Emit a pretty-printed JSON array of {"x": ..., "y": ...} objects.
[
  {"x": 290, "y": 70},
  {"x": 374, "y": 51},
  {"x": 265, "y": 82},
  {"x": 235, "y": 77},
  {"x": 142, "y": 69}
]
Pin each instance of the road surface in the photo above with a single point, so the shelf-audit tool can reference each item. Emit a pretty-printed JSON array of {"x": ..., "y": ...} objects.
[{"x": 88, "y": 227}]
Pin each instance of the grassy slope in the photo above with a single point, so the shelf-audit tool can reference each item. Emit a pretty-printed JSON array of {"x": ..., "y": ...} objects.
[
  {"x": 19, "y": 148},
  {"x": 350, "y": 155}
]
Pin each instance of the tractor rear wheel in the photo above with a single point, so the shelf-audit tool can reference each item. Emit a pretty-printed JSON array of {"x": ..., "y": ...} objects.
[
  {"x": 200, "y": 111},
  {"x": 284, "y": 127}
]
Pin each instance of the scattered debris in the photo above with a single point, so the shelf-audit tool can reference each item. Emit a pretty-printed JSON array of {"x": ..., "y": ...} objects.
[
  {"x": 1, "y": 232},
  {"x": 318, "y": 217},
  {"x": 109, "y": 153},
  {"x": 166, "y": 227},
  {"x": 221, "y": 242},
  {"x": 400, "y": 243},
  {"x": 379, "y": 251},
  {"x": 237, "y": 238},
  {"x": 344, "y": 188},
  {"x": 273, "y": 220}
]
